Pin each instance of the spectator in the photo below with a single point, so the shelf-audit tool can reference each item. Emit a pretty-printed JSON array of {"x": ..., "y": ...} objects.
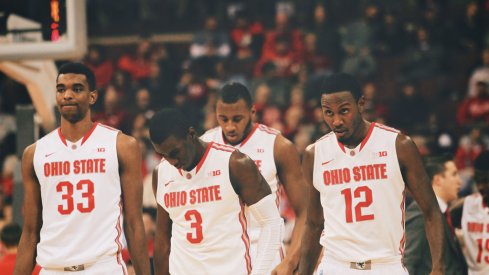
[
  {"x": 481, "y": 73},
  {"x": 9, "y": 238},
  {"x": 137, "y": 65},
  {"x": 100, "y": 65},
  {"x": 210, "y": 42},
  {"x": 475, "y": 109}
]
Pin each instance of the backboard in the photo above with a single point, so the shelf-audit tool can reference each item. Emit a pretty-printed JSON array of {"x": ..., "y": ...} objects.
[{"x": 43, "y": 29}]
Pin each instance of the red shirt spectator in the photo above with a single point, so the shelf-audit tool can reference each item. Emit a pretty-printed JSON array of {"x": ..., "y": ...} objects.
[{"x": 475, "y": 109}]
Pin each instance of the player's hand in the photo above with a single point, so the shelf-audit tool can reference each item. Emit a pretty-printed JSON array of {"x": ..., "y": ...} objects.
[{"x": 284, "y": 268}]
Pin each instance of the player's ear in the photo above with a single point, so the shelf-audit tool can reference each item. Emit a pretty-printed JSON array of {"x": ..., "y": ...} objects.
[
  {"x": 253, "y": 111},
  {"x": 192, "y": 134},
  {"x": 361, "y": 103},
  {"x": 93, "y": 97}
]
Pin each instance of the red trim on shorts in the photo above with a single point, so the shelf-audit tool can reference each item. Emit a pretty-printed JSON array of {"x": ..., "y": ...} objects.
[
  {"x": 202, "y": 160},
  {"x": 244, "y": 236},
  {"x": 249, "y": 135},
  {"x": 117, "y": 241},
  {"x": 63, "y": 139},
  {"x": 180, "y": 172},
  {"x": 87, "y": 135},
  {"x": 364, "y": 141}
]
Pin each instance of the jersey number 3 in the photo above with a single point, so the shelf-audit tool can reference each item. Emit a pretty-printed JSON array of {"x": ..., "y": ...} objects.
[
  {"x": 357, "y": 193},
  {"x": 66, "y": 189},
  {"x": 195, "y": 218}
]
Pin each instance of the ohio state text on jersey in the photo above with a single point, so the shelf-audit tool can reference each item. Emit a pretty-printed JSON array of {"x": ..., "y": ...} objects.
[
  {"x": 362, "y": 195},
  {"x": 81, "y": 198},
  {"x": 208, "y": 222}
]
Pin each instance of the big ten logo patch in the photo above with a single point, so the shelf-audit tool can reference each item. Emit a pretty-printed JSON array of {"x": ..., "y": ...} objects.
[{"x": 214, "y": 173}]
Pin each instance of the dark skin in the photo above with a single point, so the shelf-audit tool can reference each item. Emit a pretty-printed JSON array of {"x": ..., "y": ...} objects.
[
  {"x": 342, "y": 113},
  {"x": 235, "y": 120},
  {"x": 74, "y": 99},
  {"x": 185, "y": 153}
]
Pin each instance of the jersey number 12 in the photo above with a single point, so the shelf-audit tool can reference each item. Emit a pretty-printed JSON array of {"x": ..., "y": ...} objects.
[{"x": 357, "y": 193}]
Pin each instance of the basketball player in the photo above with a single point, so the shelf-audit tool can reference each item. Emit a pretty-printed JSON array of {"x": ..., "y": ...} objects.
[
  {"x": 201, "y": 189},
  {"x": 358, "y": 174},
  {"x": 82, "y": 183},
  {"x": 274, "y": 155},
  {"x": 472, "y": 215}
]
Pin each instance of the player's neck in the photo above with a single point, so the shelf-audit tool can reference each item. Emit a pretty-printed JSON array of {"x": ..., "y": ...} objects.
[
  {"x": 359, "y": 135},
  {"x": 199, "y": 153},
  {"x": 75, "y": 131}
]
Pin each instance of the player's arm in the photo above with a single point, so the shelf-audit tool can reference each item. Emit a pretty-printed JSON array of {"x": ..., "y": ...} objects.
[
  {"x": 32, "y": 208},
  {"x": 420, "y": 186},
  {"x": 290, "y": 174},
  {"x": 311, "y": 247},
  {"x": 129, "y": 155},
  {"x": 161, "y": 254},
  {"x": 255, "y": 192},
  {"x": 415, "y": 251}
]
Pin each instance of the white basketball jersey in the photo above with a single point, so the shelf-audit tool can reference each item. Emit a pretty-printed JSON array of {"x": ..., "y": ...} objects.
[
  {"x": 81, "y": 198},
  {"x": 362, "y": 195},
  {"x": 208, "y": 222},
  {"x": 475, "y": 227},
  {"x": 259, "y": 146}
]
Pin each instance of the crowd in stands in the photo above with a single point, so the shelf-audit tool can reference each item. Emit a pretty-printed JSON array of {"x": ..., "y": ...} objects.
[{"x": 424, "y": 66}]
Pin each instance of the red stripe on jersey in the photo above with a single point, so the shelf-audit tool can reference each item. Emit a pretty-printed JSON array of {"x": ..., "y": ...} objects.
[
  {"x": 202, "y": 160},
  {"x": 87, "y": 135},
  {"x": 268, "y": 130},
  {"x": 108, "y": 127},
  {"x": 244, "y": 236},
  {"x": 223, "y": 147},
  {"x": 387, "y": 128},
  {"x": 180, "y": 172},
  {"x": 342, "y": 146},
  {"x": 117, "y": 240},
  {"x": 364, "y": 141},
  {"x": 403, "y": 239},
  {"x": 63, "y": 139},
  {"x": 249, "y": 135}
]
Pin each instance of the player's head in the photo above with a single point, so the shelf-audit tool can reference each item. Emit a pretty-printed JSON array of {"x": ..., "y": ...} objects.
[
  {"x": 481, "y": 175},
  {"x": 75, "y": 91},
  {"x": 342, "y": 104},
  {"x": 10, "y": 235},
  {"x": 234, "y": 111},
  {"x": 444, "y": 177},
  {"x": 174, "y": 138}
]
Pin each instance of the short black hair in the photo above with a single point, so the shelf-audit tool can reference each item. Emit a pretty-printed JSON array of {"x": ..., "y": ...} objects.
[
  {"x": 168, "y": 122},
  {"x": 341, "y": 82},
  {"x": 435, "y": 165},
  {"x": 78, "y": 68},
  {"x": 481, "y": 163},
  {"x": 10, "y": 235},
  {"x": 231, "y": 92}
]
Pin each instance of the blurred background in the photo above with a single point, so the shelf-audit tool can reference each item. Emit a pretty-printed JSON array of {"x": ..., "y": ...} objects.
[{"x": 423, "y": 65}]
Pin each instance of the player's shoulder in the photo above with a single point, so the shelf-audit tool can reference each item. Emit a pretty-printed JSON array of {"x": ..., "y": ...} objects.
[
  {"x": 29, "y": 151},
  {"x": 103, "y": 127},
  {"x": 267, "y": 130},
  {"x": 211, "y": 133},
  {"x": 325, "y": 138},
  {"x": 221, "y": 147},
  {"x": 385, "y": 128}
]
